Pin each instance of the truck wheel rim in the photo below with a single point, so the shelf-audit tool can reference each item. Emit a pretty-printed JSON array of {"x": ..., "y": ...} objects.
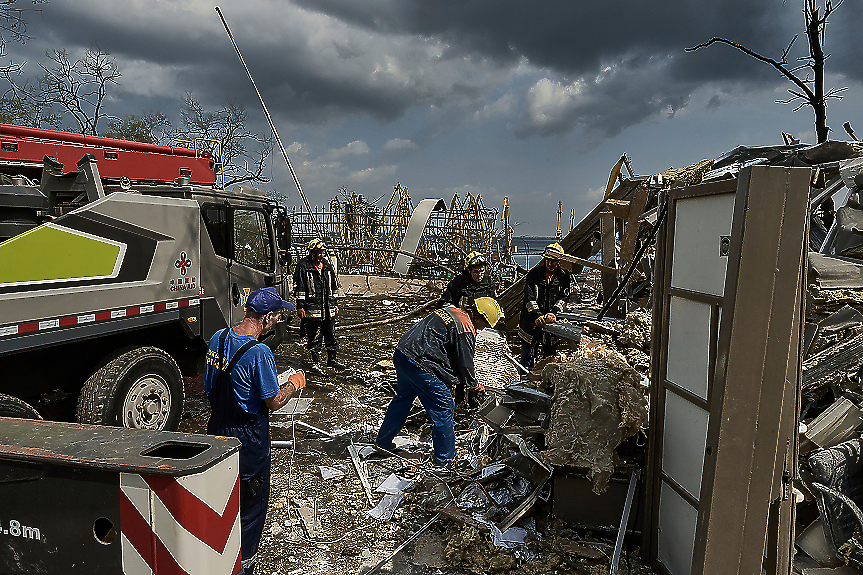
[{"x": 147, "y": 404}]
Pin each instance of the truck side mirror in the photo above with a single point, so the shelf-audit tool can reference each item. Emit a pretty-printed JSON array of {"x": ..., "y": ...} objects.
[{"x": 282, "y": 226}]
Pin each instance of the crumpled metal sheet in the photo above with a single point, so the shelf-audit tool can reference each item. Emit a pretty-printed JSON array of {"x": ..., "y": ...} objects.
[
  {"x": 394, "y": 484},
  {"x": 835, "y": 272},
  {"x": 387, "y": 506},
  {"x": 849, "y": 233},
  {"x": 416, "y": 227}
]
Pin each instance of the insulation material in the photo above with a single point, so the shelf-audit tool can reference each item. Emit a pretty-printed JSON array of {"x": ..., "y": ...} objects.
[
  {"x": 636, "y": 330},
  {"x": 597, "y": 405},
  {"x": 492, "y": 367},
  {"x": 821, "y": 300}
]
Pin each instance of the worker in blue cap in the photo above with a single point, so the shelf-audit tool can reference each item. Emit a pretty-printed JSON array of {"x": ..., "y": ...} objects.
[{"x": 242, "y": 386}]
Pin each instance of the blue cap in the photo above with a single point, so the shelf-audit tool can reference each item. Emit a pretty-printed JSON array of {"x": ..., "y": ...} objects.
[{"x": 266, "y": 300}]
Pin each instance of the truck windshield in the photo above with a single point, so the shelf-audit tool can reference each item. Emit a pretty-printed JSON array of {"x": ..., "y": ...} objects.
[{"x": 252, "y": 246}]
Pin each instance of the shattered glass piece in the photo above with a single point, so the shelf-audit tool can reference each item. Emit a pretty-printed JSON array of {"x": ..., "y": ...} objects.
[
  {"x": 501, "y": 496},
  {"x": 520, "y": 487},
  {"x": 489, "y": 470},
  {"x": 386, "y": 507},
  {"x": 330, "y": 472},
  {"x": 510, "y": 539},
  {"x": 472, "y": 497},
  {"x": 394, "y": 484},
  {"x": 295, "y": 406}
]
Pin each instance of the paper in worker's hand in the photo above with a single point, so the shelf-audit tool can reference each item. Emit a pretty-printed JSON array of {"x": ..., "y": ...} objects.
[{"x": 282, "y": 378}]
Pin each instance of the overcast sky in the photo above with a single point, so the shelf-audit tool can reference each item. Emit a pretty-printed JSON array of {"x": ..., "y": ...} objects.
[{"x": 531, "y": 100}]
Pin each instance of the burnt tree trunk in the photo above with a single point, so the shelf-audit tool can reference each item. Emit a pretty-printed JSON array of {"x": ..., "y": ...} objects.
[{"x": 816, "y": 52}]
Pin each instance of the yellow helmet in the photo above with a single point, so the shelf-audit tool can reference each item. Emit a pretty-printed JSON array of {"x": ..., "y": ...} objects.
[
  {"x": 317, "y": 244},
  {"x": 474, "y": 259},
  {"x": 552, "y": 250},
  {"x": 489, "y": 309}
]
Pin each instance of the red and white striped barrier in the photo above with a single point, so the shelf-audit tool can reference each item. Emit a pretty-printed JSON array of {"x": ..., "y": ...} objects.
[{"x": 186, "y": 525}]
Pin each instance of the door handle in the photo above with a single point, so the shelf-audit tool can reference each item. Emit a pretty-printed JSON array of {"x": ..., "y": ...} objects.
[{"x": 235, "y": 294}]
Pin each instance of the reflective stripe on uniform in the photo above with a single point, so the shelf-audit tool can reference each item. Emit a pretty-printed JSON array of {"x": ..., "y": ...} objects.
[{"x": 527, "y": 337}]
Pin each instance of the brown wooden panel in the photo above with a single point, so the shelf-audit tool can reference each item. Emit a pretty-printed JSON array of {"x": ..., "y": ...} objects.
[{"x": 764, "y": 278}]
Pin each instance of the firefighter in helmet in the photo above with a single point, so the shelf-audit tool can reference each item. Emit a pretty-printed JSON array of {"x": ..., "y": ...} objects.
[
  {"x": 546, "y": 288},
  {"x": 472, "y": 283},
  {"x": 317, "y": 288}
]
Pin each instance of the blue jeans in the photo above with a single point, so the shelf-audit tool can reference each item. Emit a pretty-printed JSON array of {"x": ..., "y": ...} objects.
[{"x": 412, "y": 382}]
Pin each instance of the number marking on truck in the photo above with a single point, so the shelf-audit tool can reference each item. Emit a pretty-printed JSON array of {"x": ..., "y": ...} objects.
[{"x": 25, "y": 532}]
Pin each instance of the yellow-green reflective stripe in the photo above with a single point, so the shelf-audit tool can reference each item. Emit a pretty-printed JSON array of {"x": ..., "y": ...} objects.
[{"x": 46, "y": 253}]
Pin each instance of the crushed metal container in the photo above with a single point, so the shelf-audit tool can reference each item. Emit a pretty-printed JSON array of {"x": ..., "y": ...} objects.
[{"x": 92, "y": 499}]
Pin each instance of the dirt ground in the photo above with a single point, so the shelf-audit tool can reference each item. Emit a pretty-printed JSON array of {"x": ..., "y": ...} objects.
[{"x": 346, "y": 538}]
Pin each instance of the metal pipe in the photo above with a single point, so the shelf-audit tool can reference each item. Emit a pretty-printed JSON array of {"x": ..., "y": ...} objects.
[
  {"x": 270, "y": 120},
  {"x": 621, "y": 532},
  {"x": 54, "y": 135}
]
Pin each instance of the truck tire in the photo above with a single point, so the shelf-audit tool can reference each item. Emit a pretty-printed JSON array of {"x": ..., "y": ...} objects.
[
  {"x": 14, "y": 407},
  {"x": 137, "y": 388}
]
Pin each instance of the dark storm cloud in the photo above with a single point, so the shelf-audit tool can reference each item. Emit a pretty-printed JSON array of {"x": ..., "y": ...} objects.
[
  {"x": 314, "y": 67},
  {"x": 596, "y": 66},
  {"x": 615, "y": 63},
  {"x": 575, "y": 38}
]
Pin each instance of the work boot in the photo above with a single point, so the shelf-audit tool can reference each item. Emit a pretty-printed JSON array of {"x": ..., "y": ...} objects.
[
  {"x": 333, "y": 363},
  {"x": 316, "y": 364}
]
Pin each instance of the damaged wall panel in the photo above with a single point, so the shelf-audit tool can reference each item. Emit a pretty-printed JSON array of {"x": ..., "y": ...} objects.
[
  {"x": 745, "y": 425},
  {"x": 691, "y": 268},
  {"x": 753, "y": 429}
]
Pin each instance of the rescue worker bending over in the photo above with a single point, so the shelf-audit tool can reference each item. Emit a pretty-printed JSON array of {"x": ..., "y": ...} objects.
[
  {"x": 546, "y": 288},
  {"x": 242, "y": 387},
  {"x": 317, "y": 290},
  {"x": 472, "y": 283},
  {"x": 435, "y": 354}
]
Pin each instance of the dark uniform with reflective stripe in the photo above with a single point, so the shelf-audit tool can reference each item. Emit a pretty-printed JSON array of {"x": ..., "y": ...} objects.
[
  {"x": 317, "y": 294},
  {"x": 462, "y": 290},
  {"x": 436, "y": 352},
  {"x": 539, "y": 299}
]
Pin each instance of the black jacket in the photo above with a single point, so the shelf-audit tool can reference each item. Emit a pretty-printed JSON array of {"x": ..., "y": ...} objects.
[
  {"x": 462, "y": 290},
  {"x": 540, "y": 298},
  {"x": 443, "y": 343},
  {"x": 317, "y": 292}
]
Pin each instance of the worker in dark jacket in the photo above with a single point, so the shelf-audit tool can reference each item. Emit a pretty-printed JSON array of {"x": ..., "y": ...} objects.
[
  {"x": 546, "y": 288},
  {"x": 242, "y": 386},
  {"x": 317, "y": 289},
  {"x": 472, "y": 283},
  {"x": 436, "y": 353}
]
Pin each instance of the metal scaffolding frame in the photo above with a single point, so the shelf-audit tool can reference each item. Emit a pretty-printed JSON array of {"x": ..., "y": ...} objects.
[{"x": 364, "y": 236}]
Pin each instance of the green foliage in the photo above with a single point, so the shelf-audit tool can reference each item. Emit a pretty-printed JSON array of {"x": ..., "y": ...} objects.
[
  {"x": 25, "y": 112},
  {"x": 148, "y": 128}
]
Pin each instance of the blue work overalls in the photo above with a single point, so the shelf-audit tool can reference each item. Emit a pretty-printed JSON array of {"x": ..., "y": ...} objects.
[{"x": 253, "y": 431}]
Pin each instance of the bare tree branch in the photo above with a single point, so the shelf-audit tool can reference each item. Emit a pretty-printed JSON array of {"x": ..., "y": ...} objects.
[
  {"x": 811, "y": 90},
  {"x": 223, "y": 133},
  {"x": 778, "y": 64}
]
